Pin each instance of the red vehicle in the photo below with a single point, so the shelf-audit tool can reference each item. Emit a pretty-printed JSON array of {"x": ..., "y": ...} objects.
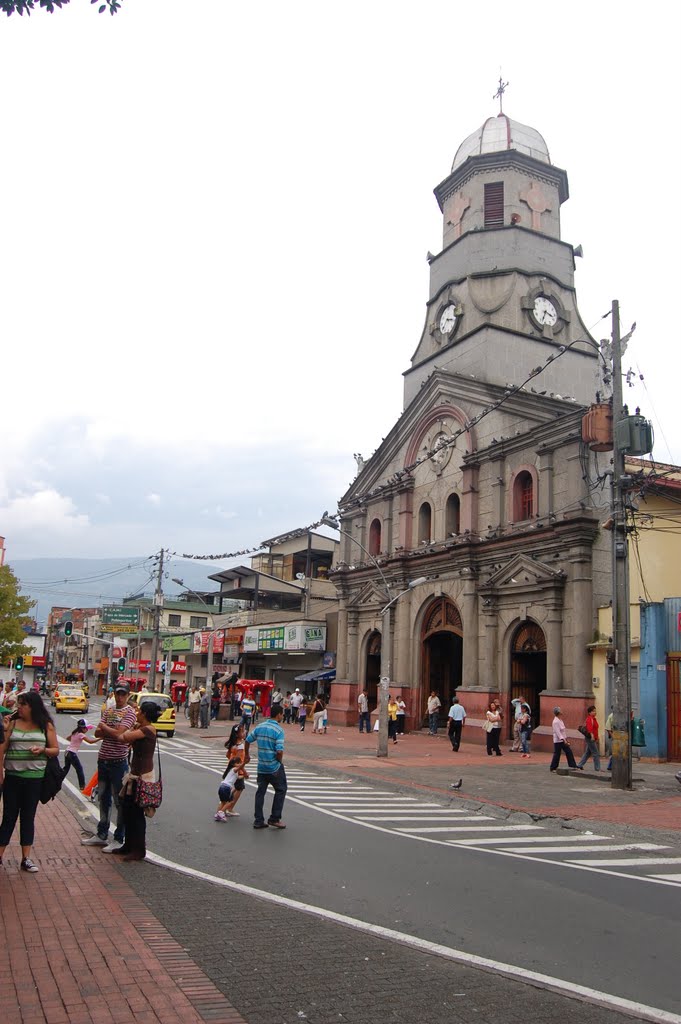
[{"x": 260, "y": 690}]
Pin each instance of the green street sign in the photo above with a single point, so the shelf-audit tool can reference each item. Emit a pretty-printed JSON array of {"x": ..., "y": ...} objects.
[{"x": 116, "y": 615}]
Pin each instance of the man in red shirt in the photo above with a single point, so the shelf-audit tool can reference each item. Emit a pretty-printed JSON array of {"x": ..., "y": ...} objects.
[{"x": 591, "y": 740}]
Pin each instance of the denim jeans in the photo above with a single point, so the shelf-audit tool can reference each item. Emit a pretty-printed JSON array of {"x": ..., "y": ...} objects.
[
  {"x": 432, "y": 723},
  {"x": 591, "y": 750},
  {"x": 364, "y": 721},
  {"x": 72, "y": 759},
  {"x": 109, "y": 786},
  {"x": 525, "y": 735},
  {"x": 277, "y": 780}
]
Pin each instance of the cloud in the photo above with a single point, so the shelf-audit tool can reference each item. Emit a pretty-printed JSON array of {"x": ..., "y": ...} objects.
[
  {"x": 153, "y": 499},
  {"x": 45, "y": 516}
]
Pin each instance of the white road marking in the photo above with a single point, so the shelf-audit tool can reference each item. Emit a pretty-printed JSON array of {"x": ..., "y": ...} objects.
[
  {"x": 597, "y": 849},
  {"x": 496, "y": 846},
  {"x": 532, "y": 839},
  {"x": 631, "y": 861}
]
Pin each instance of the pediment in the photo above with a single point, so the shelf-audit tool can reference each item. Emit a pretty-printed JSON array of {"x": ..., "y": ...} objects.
[
  {"x": 368, "y": 597},
  {"x": 524, "y": 571}
]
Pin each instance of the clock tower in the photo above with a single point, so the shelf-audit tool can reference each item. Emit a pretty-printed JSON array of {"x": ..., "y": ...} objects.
[{"x": 502, "y": 294}]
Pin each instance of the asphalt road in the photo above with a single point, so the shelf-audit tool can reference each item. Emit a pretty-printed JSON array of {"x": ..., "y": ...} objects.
[{"x": 613, "y": 934}]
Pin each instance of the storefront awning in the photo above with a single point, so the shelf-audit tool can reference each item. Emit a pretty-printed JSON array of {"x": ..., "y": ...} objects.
[{"x": 324, "y": 676}]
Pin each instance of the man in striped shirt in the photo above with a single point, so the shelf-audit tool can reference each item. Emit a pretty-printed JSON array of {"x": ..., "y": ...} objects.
[
  {"x": 112, "y": 764},
  {"x": 269, "y": 735}
]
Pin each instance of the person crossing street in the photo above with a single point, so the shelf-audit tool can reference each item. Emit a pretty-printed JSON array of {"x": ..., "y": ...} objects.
[{"x": 269, "y": 735}]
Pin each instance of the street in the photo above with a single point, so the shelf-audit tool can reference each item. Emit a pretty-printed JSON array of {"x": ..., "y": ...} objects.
[{"x": 516, "y": 893}]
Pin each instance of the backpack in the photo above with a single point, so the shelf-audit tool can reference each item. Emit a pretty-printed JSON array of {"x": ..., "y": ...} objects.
[{"x": 52, "y": 780}]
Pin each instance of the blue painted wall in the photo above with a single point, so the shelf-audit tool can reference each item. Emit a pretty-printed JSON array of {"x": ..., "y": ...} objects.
[{"x": 653, "y": 679}]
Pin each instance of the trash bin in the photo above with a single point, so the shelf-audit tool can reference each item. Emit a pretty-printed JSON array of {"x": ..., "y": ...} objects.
[{"x": 638, "y": 738}]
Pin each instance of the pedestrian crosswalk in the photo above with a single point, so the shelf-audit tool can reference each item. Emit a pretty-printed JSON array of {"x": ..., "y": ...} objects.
[{"x": 420, "y": 818}]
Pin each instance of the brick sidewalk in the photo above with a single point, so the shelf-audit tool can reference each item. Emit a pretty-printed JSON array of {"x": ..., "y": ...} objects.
[{"x": 81, "y": 948}]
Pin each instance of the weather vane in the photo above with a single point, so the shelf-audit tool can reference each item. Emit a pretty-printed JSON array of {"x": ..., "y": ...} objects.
[{"x": 499, "y": 94}]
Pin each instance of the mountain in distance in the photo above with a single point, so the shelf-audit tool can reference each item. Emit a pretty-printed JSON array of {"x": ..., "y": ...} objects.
[{"x": 92, "y": 582}]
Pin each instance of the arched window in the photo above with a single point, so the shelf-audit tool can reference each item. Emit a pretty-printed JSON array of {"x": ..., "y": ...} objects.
[
  {"x": 375, "y": 537},
  {"x": 424, "y": 522},
  {"x": 523, "y": 497},
  {"x": 453, "y": 515}
]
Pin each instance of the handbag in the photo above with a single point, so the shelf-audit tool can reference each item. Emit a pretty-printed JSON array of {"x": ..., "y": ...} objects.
[
  {"x": 52, "y": 780},
  {"x": 487, "y": 725},
  {"x": 150, "y": 794}
]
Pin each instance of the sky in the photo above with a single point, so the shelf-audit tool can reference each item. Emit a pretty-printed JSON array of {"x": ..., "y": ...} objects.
[{"x": 213, "y": 242}]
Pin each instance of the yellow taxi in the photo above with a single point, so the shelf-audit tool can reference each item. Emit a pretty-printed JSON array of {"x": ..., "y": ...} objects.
[
  {"x": 70, "y": 699},
  {"x": 165, "y": 722}
]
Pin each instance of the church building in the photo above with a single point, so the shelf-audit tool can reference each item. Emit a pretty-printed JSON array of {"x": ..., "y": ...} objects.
[{"x": 483, "y": 494}]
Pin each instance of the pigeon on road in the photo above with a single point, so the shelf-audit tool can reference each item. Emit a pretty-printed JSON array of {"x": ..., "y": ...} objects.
[{"x": 456, "y": 785}]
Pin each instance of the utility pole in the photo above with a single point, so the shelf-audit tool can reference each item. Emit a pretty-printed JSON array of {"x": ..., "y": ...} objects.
[
  {"x": 158, "y": 605},
  {"x": 621, "y": 695}
]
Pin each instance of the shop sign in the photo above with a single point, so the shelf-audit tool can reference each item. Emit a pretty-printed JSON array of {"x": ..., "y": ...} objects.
[
  {"x": 200, "y": 641},
  {"x": 143, "y": 666},
  {"x": 329, "y": 659},
  {"x": 234, "y": 636},
  {"x": 305, "y": 638},
  {"x": 34, "y": 661},
  {"x": 269, "y": 638}
]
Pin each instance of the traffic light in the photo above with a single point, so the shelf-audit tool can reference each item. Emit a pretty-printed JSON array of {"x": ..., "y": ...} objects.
[
  {"x": 68, "y": 628},
  {"x": 120, "y": 666},
  {"x": 19, "y": 664}
]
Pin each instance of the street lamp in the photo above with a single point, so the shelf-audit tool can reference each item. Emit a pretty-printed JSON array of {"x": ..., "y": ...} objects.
[{"x": 386, "y": 638}]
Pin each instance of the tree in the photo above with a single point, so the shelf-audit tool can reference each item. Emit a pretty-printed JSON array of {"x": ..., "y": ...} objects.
[
  {"x": 26, "y": 6},
  {"x": 14, "y": 616}
]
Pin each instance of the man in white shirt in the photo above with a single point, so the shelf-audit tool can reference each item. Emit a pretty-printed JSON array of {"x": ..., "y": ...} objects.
[
  {"x": 363, "y": 709},
  {"x": 456, "y": 719},
  {"x": 434, "y": 705},
  {"x": 296, "y": 701}
]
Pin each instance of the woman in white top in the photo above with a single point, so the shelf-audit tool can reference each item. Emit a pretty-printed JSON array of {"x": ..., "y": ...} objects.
[
  {"x": 493, "y": 726},
  {"x": 401, "y": 716}
]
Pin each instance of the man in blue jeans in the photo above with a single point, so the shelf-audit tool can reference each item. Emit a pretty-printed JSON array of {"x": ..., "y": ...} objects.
[
  {"x": 112, "y": 764},
  {"x": 269, "y": 735}
]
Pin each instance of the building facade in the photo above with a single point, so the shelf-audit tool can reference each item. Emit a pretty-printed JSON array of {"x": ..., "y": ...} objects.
[{"x": 484, "y": 486}]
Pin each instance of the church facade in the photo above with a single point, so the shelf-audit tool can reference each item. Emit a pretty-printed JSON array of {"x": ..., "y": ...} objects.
[{"x": 483, "y": 491}]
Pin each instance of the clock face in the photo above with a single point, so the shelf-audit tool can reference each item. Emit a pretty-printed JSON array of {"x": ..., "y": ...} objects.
[
  {"x": 545, "y": 313},
  {"x": 448, "y": 319}
]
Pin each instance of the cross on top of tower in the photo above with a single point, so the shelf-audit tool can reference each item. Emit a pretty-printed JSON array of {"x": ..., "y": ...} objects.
[{"x": 499, "y": 94}]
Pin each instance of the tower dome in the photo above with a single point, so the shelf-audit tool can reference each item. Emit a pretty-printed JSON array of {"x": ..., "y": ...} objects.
[{"x": 499, "y": 133}]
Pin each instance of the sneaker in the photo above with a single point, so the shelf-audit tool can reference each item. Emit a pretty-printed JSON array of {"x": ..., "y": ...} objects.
[
  {"x": 94, "y": 841},
  {"x": 28, "y": 865},
  {"x": 220, "y": 816},
  {"x": 111, "y": 847},
  {"x": 276, "y": 824},
  {"x": 232, "y": 814}
]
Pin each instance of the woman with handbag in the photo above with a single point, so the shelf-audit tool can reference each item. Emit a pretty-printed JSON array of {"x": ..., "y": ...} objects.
[
  {"x": 30, "y": 738},
  {"x": 142, "y": 740},
  {"x": 492, "y": 726}
]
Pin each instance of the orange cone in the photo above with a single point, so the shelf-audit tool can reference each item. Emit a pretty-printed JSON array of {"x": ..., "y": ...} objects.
[{"x": 92, "y": 784}]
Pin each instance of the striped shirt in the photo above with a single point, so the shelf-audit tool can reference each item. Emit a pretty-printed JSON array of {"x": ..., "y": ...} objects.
[
  {"x": 19, "y": 760},
  {"x": 112, "y": 750},
  {"x": 269, "y": 736}
]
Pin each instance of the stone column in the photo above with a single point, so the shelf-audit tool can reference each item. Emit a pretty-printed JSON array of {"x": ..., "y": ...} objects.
[
  {"x": 582, "y": 620},
  {"x": 402, "y": 644},
  {"x": 342, "y": 667},
  {"x": 491, "y": 624},
  {"x": 545, "y": 496},
  {"x": 554, "y": 648},
  {"x": 470, "y": 635},
  {"x": 353, "y": 668}
]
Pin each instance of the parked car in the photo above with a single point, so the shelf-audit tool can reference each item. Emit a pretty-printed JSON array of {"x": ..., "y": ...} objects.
[
  {"x": 70, "y": 699},
  {"x": 165, "y": 723}
]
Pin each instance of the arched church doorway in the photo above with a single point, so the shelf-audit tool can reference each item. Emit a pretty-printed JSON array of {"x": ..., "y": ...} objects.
[
  {"x": 372, "y": 674},
  {"x": 441, "y": 656},
  {"x": 528, "y": 667}
]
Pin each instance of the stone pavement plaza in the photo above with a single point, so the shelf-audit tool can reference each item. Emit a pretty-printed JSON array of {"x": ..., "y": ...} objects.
[{"x": 91, "y": 941}]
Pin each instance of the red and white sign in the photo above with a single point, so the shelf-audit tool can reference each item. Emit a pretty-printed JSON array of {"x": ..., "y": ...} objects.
[
  {"x": 143, "y": 666},
  {"x": 201, "y": 641}
]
